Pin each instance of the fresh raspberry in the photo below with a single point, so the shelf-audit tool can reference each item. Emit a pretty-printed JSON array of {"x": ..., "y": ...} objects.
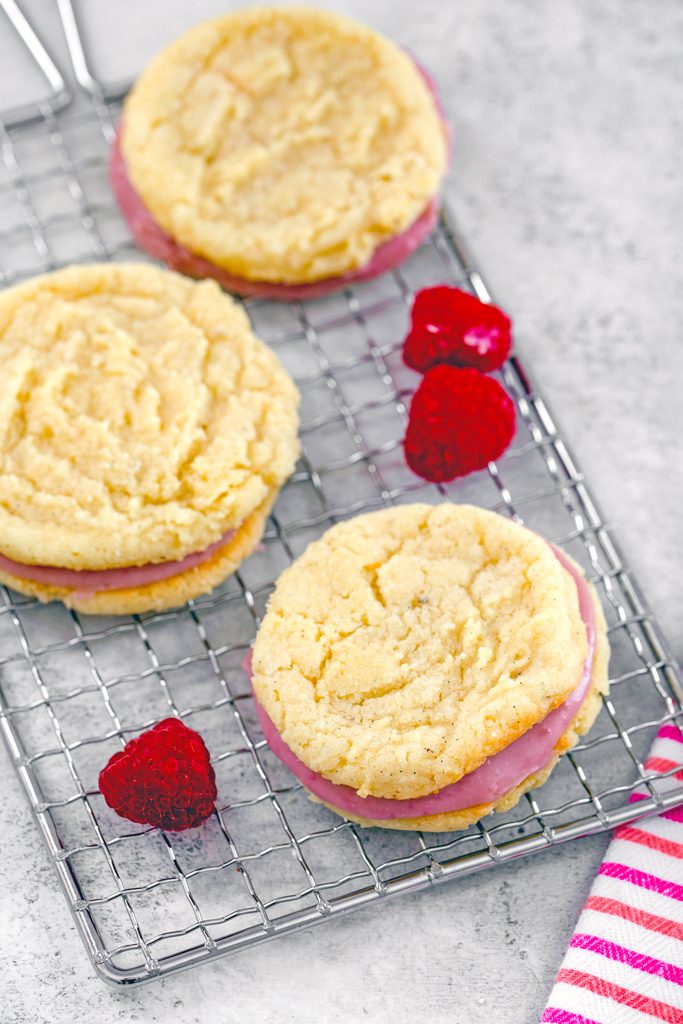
[
  {"x": 451, "y": 326},
  {"x": 162, "y": 778},
  {"x": 459, "y": 421}
]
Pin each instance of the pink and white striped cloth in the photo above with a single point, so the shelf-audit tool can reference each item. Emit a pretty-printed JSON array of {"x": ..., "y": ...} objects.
[{"x": 624, "y": 964}]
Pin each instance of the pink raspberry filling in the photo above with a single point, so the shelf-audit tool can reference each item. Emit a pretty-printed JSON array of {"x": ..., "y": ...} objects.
[
  {"x": 495, "y": 777},
  {"x": 151, "y": 237},
  {"x": 87, "y": 582}
]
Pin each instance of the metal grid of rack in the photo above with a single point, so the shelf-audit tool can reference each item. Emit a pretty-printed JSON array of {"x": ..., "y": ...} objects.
[{"x": 73, "y": 689}]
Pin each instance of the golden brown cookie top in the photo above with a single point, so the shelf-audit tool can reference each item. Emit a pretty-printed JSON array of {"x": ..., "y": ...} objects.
[
  {"x": 283, "y": 144},
  {"x": 140, "y": 418},
  {"x": 406, "y": 646}
]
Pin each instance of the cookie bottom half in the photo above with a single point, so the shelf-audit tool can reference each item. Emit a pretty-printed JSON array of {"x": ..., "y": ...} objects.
[
  {"x": 163, "y": 594},
  {"x": 453, "y": 821}
]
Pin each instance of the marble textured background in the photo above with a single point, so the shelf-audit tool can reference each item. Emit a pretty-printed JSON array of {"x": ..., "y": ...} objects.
[{"x": 567, "y": 125}]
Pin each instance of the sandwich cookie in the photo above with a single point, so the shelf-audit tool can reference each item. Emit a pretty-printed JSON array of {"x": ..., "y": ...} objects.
[
  {"x": 144, "y": 435},
  {"x": 284, "y": 152},
  {"x": 424, "y": 665}
]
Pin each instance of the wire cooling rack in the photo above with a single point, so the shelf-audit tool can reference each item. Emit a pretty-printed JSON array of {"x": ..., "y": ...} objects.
[{"x": 73, "y": 689}]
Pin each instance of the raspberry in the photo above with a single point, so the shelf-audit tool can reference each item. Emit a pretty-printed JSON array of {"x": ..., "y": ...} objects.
[
  {"x": 451, "y": 326},
  {"x": 162, "y": 778},
  {"x": 459, "y": 421}
]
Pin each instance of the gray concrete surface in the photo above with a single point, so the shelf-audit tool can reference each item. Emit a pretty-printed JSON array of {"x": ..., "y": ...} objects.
[{"x": 567, "y": 125}]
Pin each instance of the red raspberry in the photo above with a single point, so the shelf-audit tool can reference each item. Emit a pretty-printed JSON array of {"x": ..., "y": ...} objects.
[
  {"x": 451, "y": 326},
  {"x": 162, "y": 778},
  {"x": 459, "y": 421}
]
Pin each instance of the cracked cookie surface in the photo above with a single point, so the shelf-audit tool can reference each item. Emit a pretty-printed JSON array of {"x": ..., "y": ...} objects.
[
  {"x": 140, "y": 418},
  {"x": 407, "y": 646},
  {"x": 449, "y": 821},
  {"x": 283, "y": 144}
]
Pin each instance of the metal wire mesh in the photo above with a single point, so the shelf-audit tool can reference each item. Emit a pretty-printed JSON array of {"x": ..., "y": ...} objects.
[{"x": 73, "y": 688}]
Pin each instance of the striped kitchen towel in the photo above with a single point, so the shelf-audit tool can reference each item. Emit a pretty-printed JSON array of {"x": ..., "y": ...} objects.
[{"x": 624, "y": 964}]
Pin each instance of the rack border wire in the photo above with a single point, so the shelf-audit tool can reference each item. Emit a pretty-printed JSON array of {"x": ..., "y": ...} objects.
[
  {"x": 58, "y": 96},
  {"x": 369, "y": 865}
]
